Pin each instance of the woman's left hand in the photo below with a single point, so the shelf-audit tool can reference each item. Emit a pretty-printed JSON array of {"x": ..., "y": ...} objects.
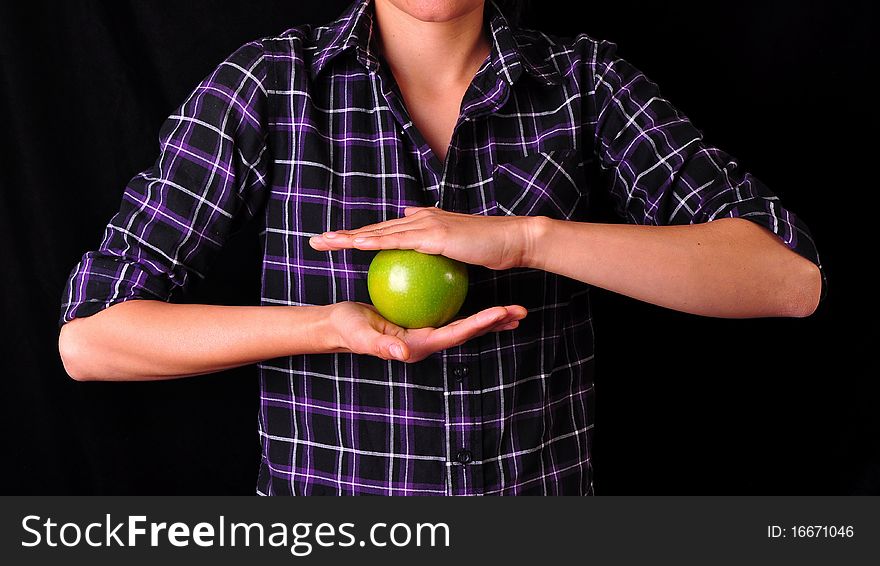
[{"x": 496, "y": 242}]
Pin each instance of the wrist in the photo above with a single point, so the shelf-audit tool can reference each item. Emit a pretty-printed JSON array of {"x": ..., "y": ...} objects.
[
  {"x": 321, "y": 335},
  {"x": 333, "y": 340},
  {"x": 534, "y": 234}
]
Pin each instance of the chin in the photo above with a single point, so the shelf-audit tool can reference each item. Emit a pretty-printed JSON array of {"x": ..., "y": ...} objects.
[{"x": 436, "y": 10}]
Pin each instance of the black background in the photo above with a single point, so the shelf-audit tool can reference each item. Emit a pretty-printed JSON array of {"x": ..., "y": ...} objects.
[{"x": 684, "y": 405}]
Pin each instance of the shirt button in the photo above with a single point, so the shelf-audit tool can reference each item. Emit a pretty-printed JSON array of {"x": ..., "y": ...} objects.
[
  {"x": 464, "y": 457},
  {"x": 460, "y": 372}
]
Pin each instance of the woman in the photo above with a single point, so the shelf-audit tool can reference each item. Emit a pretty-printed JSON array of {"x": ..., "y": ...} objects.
[{"x": 433, "y": 126}]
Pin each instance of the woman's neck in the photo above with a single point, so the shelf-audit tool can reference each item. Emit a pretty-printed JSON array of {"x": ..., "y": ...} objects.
[{"x": 434, "y": 54}]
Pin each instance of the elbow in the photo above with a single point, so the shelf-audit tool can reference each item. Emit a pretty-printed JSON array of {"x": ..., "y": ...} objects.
[
  {"x": 73, "y": 350},
  {"x": 802, "y": 300}
]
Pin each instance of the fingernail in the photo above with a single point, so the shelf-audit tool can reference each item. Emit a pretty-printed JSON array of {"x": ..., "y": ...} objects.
[
  {"x": 396, "y": 351},
  {"x": 329, "y": 235}
]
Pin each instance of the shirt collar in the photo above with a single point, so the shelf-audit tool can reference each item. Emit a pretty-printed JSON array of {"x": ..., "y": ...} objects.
[
  {"x": 509, "y": 57},
  {"x": 353, "y": 30}
]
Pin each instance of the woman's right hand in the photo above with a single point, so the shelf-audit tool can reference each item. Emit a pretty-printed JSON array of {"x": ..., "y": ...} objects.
[{"x": 360, "y": 329}]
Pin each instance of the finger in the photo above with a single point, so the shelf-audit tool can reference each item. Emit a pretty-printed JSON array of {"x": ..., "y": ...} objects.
[
  {"x": 375, "y": 229},
  {"x": 381, "y": 231},
  {"x": 518, "y": 312},
  {"x": 514, "y": 312},
  {"x": 508, "y": 319},
  {"x": 390, "y": 347},
  {"x": 370, "y": 227},
  {"x": 454, "y": 335},
  {"x": 503, "y": 321},
  {"x": 337, "y": 239},
  {"x": 319, "y": 243},
  {"x": 403, "y": 240},
  {"x": 503, "y": 324}
]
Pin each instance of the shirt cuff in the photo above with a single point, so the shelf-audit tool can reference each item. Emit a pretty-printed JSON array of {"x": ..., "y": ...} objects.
[
  {"x": 769, "y": 213},
  {"x": 99, "y": 281}
]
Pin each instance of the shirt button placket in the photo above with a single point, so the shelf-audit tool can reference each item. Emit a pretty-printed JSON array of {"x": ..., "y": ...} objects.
[
  {"x": 457, "y": 412},
  {"x": 468, "y": 476}
]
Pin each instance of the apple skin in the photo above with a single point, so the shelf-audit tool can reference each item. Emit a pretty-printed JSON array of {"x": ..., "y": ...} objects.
[{"x": 416, "y": 290}]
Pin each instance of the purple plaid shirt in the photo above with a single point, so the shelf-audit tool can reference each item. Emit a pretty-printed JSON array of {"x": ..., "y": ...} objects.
[{"x": 308, "y": 132}]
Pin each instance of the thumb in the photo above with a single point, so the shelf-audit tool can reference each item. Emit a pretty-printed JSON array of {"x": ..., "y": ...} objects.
[{"x": 391, "y": 347}]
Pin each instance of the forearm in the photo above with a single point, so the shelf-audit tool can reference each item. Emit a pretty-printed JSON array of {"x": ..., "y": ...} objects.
[
  {"x": 729, "y": 268},
  {"x": 152, "y": 340}
]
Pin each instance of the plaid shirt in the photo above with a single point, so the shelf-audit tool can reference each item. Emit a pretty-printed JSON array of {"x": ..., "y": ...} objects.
[{"x": 307, "y": 132}]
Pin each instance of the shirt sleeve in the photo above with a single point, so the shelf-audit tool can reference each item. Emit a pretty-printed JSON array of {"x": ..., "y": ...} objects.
[
  {"x": 658, "y": 167},
  {"x": 209, "y": 177}
]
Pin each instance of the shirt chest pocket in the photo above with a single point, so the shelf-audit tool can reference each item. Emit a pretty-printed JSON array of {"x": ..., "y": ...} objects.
[{"x": 540, "y": 184}]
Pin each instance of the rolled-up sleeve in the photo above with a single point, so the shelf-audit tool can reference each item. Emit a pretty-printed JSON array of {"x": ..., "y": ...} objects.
[
  {"x": 659, "y": 169},
  {"x": 209, "y": 177}
]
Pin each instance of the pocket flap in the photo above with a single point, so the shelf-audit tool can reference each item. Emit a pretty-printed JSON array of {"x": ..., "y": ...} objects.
[{"x": 539, "y": 184}]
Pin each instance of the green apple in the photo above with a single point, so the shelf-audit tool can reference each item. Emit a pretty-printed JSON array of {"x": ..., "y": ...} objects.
[{"x": 415, "y": 290}]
